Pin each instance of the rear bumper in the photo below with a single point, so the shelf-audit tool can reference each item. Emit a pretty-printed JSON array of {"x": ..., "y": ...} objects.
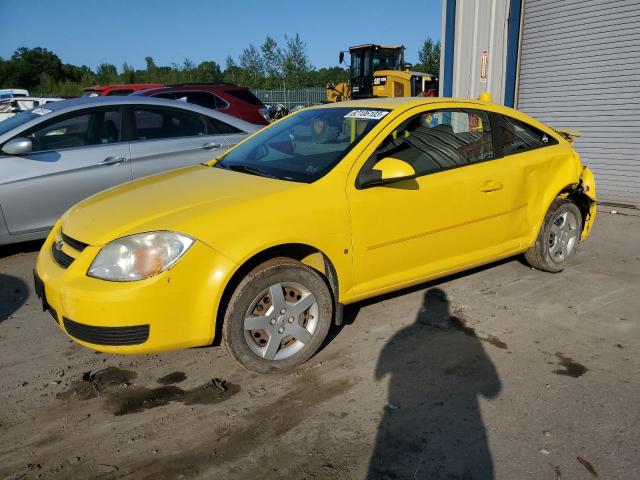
[
  {"x": 173, "y": 310},
  {"x": 588, "y": 184}
]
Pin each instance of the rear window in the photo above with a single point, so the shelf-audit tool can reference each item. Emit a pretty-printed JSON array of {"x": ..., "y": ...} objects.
[
  {"x": 119, "y": 93},
  {"x": 204, "y": 99},
  {"x": 517, "y": 137},
  {"x": 245, "y": 96}
]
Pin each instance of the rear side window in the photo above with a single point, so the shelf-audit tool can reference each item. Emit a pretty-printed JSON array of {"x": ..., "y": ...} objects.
[
  {"x": 516, "y": 137},
  {"x": 119, "y": 93},
  {"x": 218, "y": 127},
  {"x": 245, "y": 96},
  {"x": 153, "y": 123},
  {"x": 439, "y": 140},
  {"x": 204, "y": 99}
]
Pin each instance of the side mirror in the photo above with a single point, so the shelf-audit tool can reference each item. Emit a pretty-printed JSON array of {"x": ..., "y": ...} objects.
[
  {"x": 387, "y": 170},
  {"x": 341, "y": 57},
  {"x": 17, "y": 146}
]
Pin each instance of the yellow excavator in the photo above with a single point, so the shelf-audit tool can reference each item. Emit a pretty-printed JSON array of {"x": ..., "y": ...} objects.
[{"x": 380, "y": 71}]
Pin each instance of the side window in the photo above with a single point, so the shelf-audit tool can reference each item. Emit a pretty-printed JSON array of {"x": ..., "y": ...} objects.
[
  {"x": 516, "y": 137},
  {"x": 439, "y": 140},
  {"x": 218, "y": 127},
  {"x": 95, "y": 128},
  {"x": 119, "y": 93},
  {"x": 156, "y": 123},
  {"x": 204, "y": 99}
]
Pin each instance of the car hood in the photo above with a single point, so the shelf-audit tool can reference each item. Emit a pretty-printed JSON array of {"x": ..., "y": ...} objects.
[{"x": 181, "y": 200}]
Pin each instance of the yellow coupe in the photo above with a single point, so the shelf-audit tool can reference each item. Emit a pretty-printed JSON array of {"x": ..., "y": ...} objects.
[{"x": 262, "y": 246}]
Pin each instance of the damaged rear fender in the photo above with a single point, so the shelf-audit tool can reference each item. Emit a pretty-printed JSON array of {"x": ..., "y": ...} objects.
[{"x": 585, "y": 197}]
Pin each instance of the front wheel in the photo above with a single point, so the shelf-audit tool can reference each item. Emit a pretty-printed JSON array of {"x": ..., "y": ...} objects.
[
  {"x": 278, "y": 316},
  {"x": 558, "y": 237}
]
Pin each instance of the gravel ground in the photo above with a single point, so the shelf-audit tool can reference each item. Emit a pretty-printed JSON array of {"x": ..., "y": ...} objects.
[{"x": 502, "y": 372}]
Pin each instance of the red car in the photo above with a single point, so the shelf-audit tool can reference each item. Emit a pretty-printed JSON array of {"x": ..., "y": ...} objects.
[
  {"x": 125, "y": 89},
  {"x": 233, "y": 100}
]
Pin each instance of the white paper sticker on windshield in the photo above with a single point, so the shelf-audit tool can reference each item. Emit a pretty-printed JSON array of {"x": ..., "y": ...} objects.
[
  {"x": 41, "y": 111},
  {"x": 366, "y": 114}
]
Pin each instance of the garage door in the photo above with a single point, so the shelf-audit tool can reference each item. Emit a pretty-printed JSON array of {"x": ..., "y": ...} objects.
[{"x": 580, "y": 69}]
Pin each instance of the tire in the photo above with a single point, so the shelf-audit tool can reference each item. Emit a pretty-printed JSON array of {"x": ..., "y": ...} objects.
[
  {"x": 277, "y": 342},
  {"x": 558, "y": 238}
]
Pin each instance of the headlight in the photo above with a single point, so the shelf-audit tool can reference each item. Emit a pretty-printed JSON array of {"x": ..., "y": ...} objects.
[{"x": 139, "y": 256}]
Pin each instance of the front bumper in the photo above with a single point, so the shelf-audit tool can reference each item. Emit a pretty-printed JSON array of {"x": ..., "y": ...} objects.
[{"x": 173, "y": 310}]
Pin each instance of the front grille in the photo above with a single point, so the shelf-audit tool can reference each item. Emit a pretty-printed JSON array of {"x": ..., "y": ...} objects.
[
  {"x": 134, "y": 335},
  {"x": 73, "y": 243},
  {"x": 62, "y": 258}
]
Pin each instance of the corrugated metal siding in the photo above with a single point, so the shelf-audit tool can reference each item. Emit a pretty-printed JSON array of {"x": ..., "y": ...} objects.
[
  {"x": 580, "y": 69},
  {"x": 480, "y": 26}
]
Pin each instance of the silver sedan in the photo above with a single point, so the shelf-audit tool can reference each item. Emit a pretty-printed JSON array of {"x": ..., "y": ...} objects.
[{"x": 54, "y": 156}]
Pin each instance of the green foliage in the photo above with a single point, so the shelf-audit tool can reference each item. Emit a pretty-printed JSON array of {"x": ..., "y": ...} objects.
[
  {"x": 429, "y": 58},
  {"x": 267, "y": 66}
]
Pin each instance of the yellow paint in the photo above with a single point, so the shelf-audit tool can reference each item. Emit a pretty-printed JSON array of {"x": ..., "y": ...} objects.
[
  {"x": 378, "y": 239},
  {"x": 393, "y": 168}
]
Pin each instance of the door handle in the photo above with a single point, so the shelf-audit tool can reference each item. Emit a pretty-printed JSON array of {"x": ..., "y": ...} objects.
[
  {"x": 113, "y": 160},
  {"x": 490, "y": 186},
  {"x": 211, "y": 145}
]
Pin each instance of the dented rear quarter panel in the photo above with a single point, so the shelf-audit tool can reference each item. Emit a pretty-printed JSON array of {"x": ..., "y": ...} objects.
[{"x": 540, "y": 176}]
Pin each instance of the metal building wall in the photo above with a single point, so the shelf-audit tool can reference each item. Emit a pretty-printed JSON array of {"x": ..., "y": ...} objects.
[
  {"x": 580, "y": 69},
  {"x": 480, "y": 25}
]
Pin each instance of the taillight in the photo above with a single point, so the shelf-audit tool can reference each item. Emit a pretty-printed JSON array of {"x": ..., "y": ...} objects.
[{"x": 265, "y": 113}]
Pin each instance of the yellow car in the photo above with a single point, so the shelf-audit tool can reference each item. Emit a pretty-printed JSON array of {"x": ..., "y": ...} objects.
[{"x": 262, "y": 246}]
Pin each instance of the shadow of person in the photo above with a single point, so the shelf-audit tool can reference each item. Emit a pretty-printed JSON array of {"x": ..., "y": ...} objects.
[
  {"x": 13, "y": 293},
  {"x": 432, "y": 427}
]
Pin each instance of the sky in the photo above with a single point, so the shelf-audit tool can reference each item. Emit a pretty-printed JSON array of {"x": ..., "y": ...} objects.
[{"x": 90, "y": 32}]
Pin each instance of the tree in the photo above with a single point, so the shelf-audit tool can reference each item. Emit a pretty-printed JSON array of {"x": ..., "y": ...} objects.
[
  {"x": 106, "y": 74},
  {"x": 151, "y": 65},
  {"x": 28, "y": 64},
  {"x": 128, "y": 73},
  {"x": 251, "y": 61},
  {"x": 208, "y": 72},
  {"x": 273, "y": 59},
  {"x": 429, "y": 57},
  {"x": 296, "y": 64}
]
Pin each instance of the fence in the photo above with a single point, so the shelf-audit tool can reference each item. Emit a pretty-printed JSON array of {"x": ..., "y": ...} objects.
[{"x": 292, "y": 98}]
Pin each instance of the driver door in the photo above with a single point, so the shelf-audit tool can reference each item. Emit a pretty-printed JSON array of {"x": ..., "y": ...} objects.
[{"x": 453, "y": 214}]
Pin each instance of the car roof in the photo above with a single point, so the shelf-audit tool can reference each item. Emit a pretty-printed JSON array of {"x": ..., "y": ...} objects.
[
  {"x": 406, "y": 103},
  {"x": 68, "y": 106},
  {"x": 84, "y": 102}
]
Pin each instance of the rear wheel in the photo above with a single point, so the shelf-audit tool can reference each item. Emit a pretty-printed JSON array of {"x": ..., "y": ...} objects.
[
  {"x": 558, "y": 238},
  {"x": 278, "y": 316}
]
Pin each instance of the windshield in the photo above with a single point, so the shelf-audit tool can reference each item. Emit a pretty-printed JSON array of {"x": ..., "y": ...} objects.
[
  {"x": 17, "y": 120},
  {"x": 387, "y": 59},
  {"x": 304, "y": 146}
]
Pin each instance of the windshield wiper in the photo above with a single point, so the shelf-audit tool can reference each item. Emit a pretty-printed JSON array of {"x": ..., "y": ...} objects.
[{"x": 247, "y": 169}]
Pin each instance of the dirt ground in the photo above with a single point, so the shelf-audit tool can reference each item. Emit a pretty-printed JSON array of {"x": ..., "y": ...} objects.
[{"x": 503, "y": 372}]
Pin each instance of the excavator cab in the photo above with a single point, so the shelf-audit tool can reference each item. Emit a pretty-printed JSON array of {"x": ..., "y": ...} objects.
[
  {"x": 368, "y": 59},
  {"x": 380, "y": 71}
]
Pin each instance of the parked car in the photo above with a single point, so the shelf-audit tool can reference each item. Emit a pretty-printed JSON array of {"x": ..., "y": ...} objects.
[
  {"x": 13, "y": 92},
  {"x": 56, "y": 155},
  {"x": 233, "y": 100},
  {"x": 328, "y": 206},
  {"x": 10, "y": 106},
  {"x": 116, "y": 90}
]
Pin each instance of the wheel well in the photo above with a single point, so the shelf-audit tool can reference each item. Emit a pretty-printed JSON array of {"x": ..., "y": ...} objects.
[
  {"x": 306, "y": 254},
  {"x": 581, "y": 199}
]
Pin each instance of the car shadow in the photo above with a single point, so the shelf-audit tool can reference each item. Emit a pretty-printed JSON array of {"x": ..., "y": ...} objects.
[
  {"x": 23, "y": 247},
  {"x": 432, "y": 426},
  {"x": 13, "y": 294},
  {"x": 350, "y": 312}
]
